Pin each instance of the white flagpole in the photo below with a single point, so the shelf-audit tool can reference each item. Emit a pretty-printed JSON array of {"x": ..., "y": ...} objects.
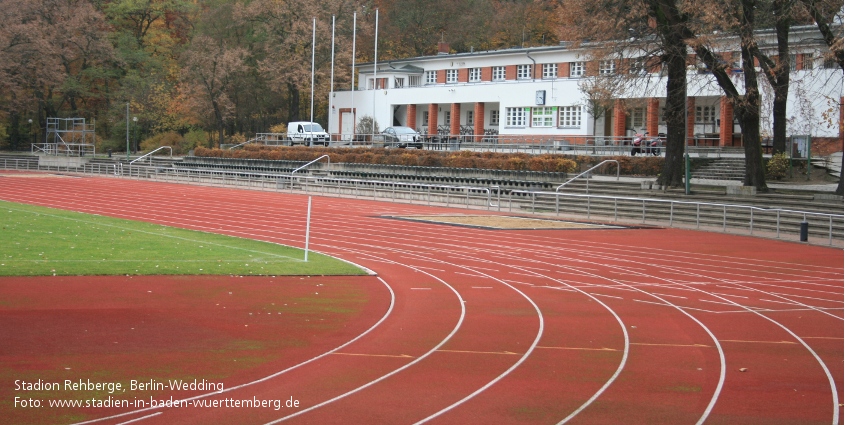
[
  {"x": 313, "y": 42},
  {"x": 352, "y": 98},
  {"x": 331, "y": 90},
  {"x": 375, "y": 79}
]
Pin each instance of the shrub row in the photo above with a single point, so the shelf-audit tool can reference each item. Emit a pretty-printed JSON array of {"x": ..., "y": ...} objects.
[{"x": 427, "y": 158}]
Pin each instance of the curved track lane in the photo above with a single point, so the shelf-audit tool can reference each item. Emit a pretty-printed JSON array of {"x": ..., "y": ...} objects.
[{"x": 598, "y": 326}]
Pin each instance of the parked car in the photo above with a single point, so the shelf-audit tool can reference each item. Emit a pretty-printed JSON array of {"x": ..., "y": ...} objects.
[
  {"x": 402, "y": 137},
  {"x": 307, "y": 133}
]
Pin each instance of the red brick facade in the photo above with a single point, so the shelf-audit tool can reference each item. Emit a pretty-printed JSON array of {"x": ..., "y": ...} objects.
[
  {"x": 478, "y": 124},
  {"x": 619, "y": 117},
  {"x": 726, "y": 119},
  {"x": 411, "y": 116},
  {"x": 432, "y": 118},
  {"x": 653, "y": 116},
  {"x": 455, "y": 124}
]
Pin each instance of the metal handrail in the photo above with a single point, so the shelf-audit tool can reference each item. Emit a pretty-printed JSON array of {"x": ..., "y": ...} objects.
[
  {"x": 146, "y": 155},
  {"x": 244, "y": 143},
  {"x": 329, "y": 162},
  {"x": 698, "y": 206},
  {"x": 591, "y": 169}
]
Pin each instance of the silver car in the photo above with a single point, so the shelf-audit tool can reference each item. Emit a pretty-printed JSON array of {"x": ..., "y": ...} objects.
[{"x": 402, "y": 137}]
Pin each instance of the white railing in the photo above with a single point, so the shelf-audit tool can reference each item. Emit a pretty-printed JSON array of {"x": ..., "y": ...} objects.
[
  {"x": 151, "y": 153},
  {"x": 713, "y": 215}
]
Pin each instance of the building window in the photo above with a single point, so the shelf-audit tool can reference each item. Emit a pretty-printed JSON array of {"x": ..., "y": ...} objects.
[
  {"x": 470, "y": 118},
  {"x": 636, "y": 66},
  {"x": 431, "y": 77},
  {"x": 809, "y": 61},
  {"x": 494, "y": 117},
  {"x": 576, "y": 69},
  {"x": 523, "y": 72},
  {"x": 607, "y": 67},
  {"x": 543, "y": 116},
  {"x": 447, "y": 118},
  {"x": 570, "y": 116},
  {"x": 474, "y": 75},
  {"x": 414, "y": 81},
  {"x": 380, "y": 83},
  {"x": 705, "y": 114},
  {"x": 637, "y": 118},
  {"x": 398, "y": 83},
  {"x": 451, "y": 76},
  {"x": 830, "y": 63},
  {"x": 425, "y": 118},
  {"x": 549, "y": 70},
  {"x": 516, "y": 117},
  {"x": 498, "y": 73}
]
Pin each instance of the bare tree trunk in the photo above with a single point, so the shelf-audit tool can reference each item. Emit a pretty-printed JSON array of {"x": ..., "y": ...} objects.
[
  {"x": 780, "y": 79},
  {"x": 668, "y": 19},
  {"x": 218, "y": 115},
  {"x": 749, "y": 106}
]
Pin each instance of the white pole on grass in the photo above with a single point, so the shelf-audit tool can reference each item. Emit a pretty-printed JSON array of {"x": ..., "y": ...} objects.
[{"x": 307, "y": 228}]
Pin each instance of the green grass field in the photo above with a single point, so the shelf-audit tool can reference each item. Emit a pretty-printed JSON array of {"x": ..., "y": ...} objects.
[{"x": 38, "y": 241}]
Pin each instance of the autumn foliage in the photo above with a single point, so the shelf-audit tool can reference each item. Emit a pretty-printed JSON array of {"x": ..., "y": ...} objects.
[{"x": 429, "y": 158}]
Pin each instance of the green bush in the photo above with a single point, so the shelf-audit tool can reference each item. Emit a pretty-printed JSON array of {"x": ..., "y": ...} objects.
[{"x": 778, "y": 166}]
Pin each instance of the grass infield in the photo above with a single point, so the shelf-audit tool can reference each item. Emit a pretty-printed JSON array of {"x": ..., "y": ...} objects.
[{"x": 38, "y": 241}]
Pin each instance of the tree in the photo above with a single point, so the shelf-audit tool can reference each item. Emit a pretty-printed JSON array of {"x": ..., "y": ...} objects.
[
  {"x": 643, "y": 35},
  {"x": 740, "y": 17},
  {"x": 824, "y": 13},
  {"x": 211, "y": 67}
]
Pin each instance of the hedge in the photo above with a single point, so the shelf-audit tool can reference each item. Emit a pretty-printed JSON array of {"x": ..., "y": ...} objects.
[{"x": 427, "y": 158}]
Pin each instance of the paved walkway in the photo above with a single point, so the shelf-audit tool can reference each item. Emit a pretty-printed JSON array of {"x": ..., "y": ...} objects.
[{"x": 826, "y": 187}]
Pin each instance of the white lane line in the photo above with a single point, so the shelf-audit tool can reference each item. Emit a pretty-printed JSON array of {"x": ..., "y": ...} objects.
[
  {"x": 510, "y": 369},
  {"x": 810, "y": 298},
  {"x": 671, "y": 296},
  {"x": 729, "y": 295},
  {"x": 471, "y": 274},
  {"x": 268, "y": 377},
  {"x": 608, "y": 296},
  {"x": 394, "y": 372}
]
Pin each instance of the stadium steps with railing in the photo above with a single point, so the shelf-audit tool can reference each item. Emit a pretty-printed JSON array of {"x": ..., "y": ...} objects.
[
  {"x": 14, "y": 161},
  {"x": 721, "y": 169}
]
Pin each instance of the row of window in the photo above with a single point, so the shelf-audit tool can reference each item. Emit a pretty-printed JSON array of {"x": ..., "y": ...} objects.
[
  {"x": 523, "y": 72},
  {"x": 470, "y": 118},
  {"x": 608, "y": 67},
  {"x": 564, "y": 117},
  {"x": 544, "y": 116}
]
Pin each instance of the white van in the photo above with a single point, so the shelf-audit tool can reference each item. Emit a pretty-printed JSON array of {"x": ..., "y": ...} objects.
[{"x": 307, "y": 133}]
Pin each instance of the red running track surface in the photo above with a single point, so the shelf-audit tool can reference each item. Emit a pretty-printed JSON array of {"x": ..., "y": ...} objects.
[{"x": 635, "y": 326}]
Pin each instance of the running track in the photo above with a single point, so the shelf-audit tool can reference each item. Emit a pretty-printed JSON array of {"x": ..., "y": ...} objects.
[{"x": 642, "y": 326}]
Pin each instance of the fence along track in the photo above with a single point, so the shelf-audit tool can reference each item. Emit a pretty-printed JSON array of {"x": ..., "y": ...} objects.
[{"x": 727, "y": 218}]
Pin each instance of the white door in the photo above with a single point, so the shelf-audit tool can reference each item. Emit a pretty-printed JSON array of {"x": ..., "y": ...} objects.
[{"x": 347, "y": 125}]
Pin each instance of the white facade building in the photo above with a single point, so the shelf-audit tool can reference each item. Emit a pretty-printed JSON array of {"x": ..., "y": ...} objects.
[{"x": 535, "y": 93}]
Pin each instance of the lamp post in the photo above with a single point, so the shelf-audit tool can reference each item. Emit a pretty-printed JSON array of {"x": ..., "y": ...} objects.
[
  {"x": 31, "y": 137},
  {"x": 135, "y": 136}
]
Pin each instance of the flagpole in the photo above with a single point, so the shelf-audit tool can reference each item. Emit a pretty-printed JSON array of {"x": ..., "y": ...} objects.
[
  {"x": 352, "y": 98},
  {"x": 313, "y": 42},
  {"x": 375, "y": 79}
]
